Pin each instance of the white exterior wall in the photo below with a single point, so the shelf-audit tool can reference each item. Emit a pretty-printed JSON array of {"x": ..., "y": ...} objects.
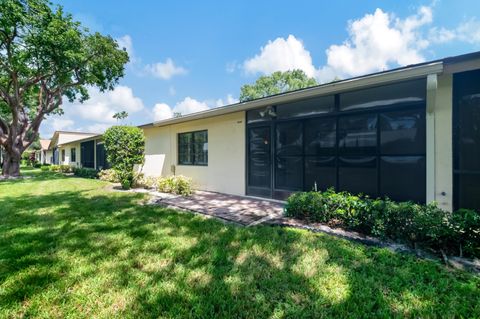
[{"x": 225, "y": 171}]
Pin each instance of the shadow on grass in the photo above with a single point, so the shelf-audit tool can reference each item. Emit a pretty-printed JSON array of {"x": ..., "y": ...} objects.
[{"x": 58, "y": 248}]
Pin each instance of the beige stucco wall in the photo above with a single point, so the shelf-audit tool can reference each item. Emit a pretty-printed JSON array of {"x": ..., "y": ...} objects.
[
  {"x": 225, "y": 171},
  {"x": 439, "y": 141},
  {"x": 68, "y": 159}
]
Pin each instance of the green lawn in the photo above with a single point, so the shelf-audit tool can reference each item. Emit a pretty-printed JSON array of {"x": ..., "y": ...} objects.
[{"x": 69, "y": 247}]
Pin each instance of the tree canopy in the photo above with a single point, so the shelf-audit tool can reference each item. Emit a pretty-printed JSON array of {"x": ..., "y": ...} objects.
[
  {"x": 46, "y": 56},
  {"x": 277, "y": 82}
]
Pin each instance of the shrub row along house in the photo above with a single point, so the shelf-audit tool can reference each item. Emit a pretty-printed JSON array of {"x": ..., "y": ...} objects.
[{"x": 411, "y": 133}]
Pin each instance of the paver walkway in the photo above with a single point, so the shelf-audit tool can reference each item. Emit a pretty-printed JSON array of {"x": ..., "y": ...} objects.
[{"x": 246, "y": 211}]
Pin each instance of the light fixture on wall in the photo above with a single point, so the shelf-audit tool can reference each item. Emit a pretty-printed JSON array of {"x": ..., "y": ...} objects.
[{"x": 268, "y": 112}]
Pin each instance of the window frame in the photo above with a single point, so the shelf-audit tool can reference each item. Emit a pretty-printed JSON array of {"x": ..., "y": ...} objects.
[
  {"x": 63, "y": 155},
  {"x": 191, "y": 146}
]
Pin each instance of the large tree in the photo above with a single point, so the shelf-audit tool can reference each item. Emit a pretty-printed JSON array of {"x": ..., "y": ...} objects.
[
  {"x": 46, "y": 57},
  {"x": 277, "y": 82}
]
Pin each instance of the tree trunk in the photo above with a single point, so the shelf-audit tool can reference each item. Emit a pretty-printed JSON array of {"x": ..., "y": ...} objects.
[{"x": 11, "y": 163}]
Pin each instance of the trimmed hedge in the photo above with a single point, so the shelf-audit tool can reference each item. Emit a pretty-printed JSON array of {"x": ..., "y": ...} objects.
[
  {"x": 85, "y": 172},
  {"x": 414, "y": 224}
]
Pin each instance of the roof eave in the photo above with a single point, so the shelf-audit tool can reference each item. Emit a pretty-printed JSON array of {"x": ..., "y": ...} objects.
[{"x": 330, "y": 88}]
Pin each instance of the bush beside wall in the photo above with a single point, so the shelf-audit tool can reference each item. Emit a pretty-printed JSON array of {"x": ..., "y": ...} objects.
[
  {"x": 414, "y": 224},
  {"x": 85, "y": 172}
]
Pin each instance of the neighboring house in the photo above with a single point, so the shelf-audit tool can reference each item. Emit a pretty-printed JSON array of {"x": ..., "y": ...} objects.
[
  {"x": 411, "y": 133},
  {"x": 78, "y": 150},
  {"x": 43, "y": 155}
]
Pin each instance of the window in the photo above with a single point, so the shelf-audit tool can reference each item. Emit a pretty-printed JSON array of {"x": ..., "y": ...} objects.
[
  {"x": 63, "y": 155},
  {"x": 73, "y": 155},
  {"x": 193, "y": 148}
]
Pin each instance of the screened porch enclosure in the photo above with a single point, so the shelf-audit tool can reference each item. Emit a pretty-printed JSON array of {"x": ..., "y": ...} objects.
[{"x": 370, "y": 141}]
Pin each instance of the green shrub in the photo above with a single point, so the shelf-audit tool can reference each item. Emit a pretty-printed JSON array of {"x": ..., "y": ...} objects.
[
  {"x": 415, "y": 224},
  {"x": 85, "y": 172},
  {"x": 61, "y": 168},
  {"x": 176, "y": 184},
  {"x": 45, "y": 168},
  {"x": 466, "y": 226},
  {"x": 108, "y": 175},
  {"x": 125, "y": 147},
  {"x": 147, "y": 182}
]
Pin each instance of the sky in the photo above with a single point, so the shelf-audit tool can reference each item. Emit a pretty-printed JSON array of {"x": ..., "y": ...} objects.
[{"x": 189, "y": 56}]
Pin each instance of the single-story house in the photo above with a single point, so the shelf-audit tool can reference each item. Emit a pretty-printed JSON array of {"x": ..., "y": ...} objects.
[
  {"x": 77, "y": 149},
  {"x": 411, "y": 133},
  {"x": 44, "y": 154}
]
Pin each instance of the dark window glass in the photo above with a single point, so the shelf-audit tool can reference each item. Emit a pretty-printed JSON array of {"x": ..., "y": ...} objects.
[
  {"x": 466, "y": 112},
  {"x": 63, "y": 155},
  {"x": 185, "y": 152},
  {"x": 403, "y": 132},
  {"x": 404, "y": 93},
  {"x": 289, "y": 139},
  {"x": 469, "y": 134},
  {"x": 259, "y": 162},
  {"x": 358, "y": 134},
  {"x": 320, "y": 105},
  {"x": 200, "y": 148},
  {"x": 193, "y": 148},
  {"x": 403, "y": 178},
  {"x": 289, "y": 172},
  {"x": 358, "y": 175},
  {"x": 320, "y": 171},
  {"x": 87, "y": 154},
  {"x": 469, "y": 190},
  {"x": 320, "y": 136},
  {"x": 73, "y": 155}
]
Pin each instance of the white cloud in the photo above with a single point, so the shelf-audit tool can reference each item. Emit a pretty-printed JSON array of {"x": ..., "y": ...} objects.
[
  {"x": 281, "y": 55},
  {"x": 229, "y": 100},
  {"x": 61, "y": 124},
  {"x": 101, "y": 107},
  {"x": 190, "y": 105},
  {"x": 165, "y": 70},
  {"x": 126, "y": 43},
  {"x": 97, "y": 128},
  {"x": 467, "y": 31},
  {"x": 379, "y": 40},
  {"x": 162, "y": 111}
]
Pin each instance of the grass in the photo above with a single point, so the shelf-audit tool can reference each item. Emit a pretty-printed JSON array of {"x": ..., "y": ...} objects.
[{"x": 70, "y": 247}]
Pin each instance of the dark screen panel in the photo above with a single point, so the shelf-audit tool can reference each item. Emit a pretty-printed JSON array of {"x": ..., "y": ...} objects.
[
  {"x": 87, "y": 150},
  {"x": 403, "y": 132},
  {"x": 315, "y": 106},
  {"x": 289, "y": 173},
  {"x": 320, "y": 136},
  {"x": 321, "y": 171},
  {"x": 403, "y": 178},
  {"x": 403, "y": 93},
  {"x": 358, "y": 175},
  {"x": 259, "y": 162},
  {"x": 357, "y": 134},
  {"x": 289, "y": 138},
  {"x": 469, "y": 190}
]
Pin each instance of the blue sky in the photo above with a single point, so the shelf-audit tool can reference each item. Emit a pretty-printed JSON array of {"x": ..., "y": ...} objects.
[{"x": 188, "y": 56}]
